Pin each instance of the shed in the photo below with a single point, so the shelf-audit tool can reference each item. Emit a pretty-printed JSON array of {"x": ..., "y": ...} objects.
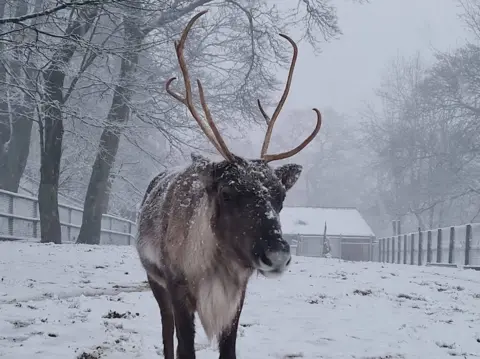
[{"x": 349, "y": 234}]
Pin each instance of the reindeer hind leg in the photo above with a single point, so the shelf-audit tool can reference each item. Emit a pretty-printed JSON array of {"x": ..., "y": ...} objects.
[{"x": 166, "y": 311}]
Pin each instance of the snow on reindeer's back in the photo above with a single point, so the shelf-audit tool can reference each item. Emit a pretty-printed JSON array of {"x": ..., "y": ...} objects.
[
  {"x": 161, "y": 182},
  {"x": 172, "y": 192}
]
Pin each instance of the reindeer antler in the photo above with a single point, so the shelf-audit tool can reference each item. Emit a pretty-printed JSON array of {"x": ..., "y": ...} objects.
[
  {"x": 212, "y": 133},
  {"x": 271, "y": 121}
]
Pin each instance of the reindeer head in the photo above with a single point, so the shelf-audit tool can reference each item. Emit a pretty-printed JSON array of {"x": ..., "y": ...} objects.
[{"x": 246, "y": 195}]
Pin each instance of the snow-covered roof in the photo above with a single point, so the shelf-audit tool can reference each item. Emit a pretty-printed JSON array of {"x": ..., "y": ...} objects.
[{"x": 311, "y": 220}]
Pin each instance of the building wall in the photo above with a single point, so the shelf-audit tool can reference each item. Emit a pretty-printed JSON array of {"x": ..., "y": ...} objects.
[
  {"x": 356, "y": 249},
  {"x": 312, "y": 246},
  {"x": 353, "y": 249}
]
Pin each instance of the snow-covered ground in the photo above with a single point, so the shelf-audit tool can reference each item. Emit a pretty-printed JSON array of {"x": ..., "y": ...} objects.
[{"x": 63, "y": 302}]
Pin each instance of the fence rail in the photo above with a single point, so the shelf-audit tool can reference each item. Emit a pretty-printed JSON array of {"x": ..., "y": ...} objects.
[
  {"x": 19, "y": 220},
  {"x": 448, "y": 246}
]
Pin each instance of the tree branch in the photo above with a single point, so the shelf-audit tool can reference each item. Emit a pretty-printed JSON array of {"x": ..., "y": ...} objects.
[
  {"x": 65, "y": 5},
  {"x": 173, "y": 15}
]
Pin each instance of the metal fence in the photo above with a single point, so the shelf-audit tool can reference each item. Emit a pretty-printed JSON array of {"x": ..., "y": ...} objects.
[
  {"x": 19, "y": 220},
  {"x": 449, "y": 246}
]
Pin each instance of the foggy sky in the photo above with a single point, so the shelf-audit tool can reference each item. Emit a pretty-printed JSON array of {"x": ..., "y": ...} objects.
[{"x": 347, "y": 70}]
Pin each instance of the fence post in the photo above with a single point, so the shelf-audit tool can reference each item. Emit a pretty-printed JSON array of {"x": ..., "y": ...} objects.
[
  {"x": 388, "y": 250},
  {"x": 370, "y": 247},
  {"x": 393, "y": 250},
  {"x": 412, "y": 248},
  {"x": 69, "y": 227},
  {"x": 405, "y": 240},
  {"x": 35, "y": 223},
  {"x": 379, "y": 250},
  {"x": 468, "y": 238},
  {"x": 109, "y": 235},
  {"x": 383, "y": 250},
  {"x": 399, "y": 249},
  {"x": 439, "y": 245},
  {"x": 130, "y": 237},
  {"x": 420, "y": 246},
  {"x": 380, "y": 253},
  {"x": 429, "y": 246},
  {"x": 451, "y": 246},
  {"x": 10, "y": 211}
]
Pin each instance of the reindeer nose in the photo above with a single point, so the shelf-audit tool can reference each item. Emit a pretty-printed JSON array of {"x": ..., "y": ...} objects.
[{"x": 276, "y": 259}]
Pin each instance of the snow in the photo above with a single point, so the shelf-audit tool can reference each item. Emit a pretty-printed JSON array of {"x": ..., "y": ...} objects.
[
  {"x": 311, "y": 221},
  {"x": 55, "y": 302}
]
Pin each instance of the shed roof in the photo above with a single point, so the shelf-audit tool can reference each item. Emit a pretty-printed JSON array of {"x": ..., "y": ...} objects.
[{"x": 311, "y": 221}]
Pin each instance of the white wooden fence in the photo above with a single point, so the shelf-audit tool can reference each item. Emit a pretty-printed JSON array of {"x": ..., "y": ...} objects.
[{"x": 19, "y": 220}]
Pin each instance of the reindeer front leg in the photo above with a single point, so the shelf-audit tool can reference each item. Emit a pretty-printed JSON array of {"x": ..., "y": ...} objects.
[
  {"x": 184, "y": 320},
  {"x": 228, "y": 339}
]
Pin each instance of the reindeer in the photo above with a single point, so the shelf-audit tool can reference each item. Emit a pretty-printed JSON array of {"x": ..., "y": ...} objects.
[{"x": 204, "y": 230}]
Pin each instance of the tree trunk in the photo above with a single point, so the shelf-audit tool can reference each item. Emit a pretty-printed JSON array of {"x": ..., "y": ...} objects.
[
  {"x": 4, "y": 118},
  {"x": 14, "y": 156},
  {"x": 51, "y": 128},
  {"x": 16, "y": 123},
  {"x": 98, "y": 191},
  {"x": 50, "y": 227},
  {"x": 51, "y": 136}
]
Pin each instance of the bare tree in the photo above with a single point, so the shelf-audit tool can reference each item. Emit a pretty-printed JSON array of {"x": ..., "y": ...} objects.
[
  {"x": 395, "y": 133},
  {"x": 89, "y": 76},
  {"x": 251, "y": 25},
  {"x": 426, "y": 139},
  {"x": 51, "y": 123},
  {"x": 17, "y": 88},
  {"x": 22, "y": 18}
]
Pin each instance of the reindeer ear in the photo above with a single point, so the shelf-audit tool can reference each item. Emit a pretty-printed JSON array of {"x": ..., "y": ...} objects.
[
  {"x": 288, "y": 174},
  {"x": 203, "y": 169},
  {"x": 207, "y": 172}
]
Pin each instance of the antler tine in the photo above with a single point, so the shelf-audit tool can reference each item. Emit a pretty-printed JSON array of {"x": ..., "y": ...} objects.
[
  {"x": 210, "y": 121},
  {"x": 283, "y": 155},
  {"x": 271, "y": 123},
  {"x": 212, "y": 133}
]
